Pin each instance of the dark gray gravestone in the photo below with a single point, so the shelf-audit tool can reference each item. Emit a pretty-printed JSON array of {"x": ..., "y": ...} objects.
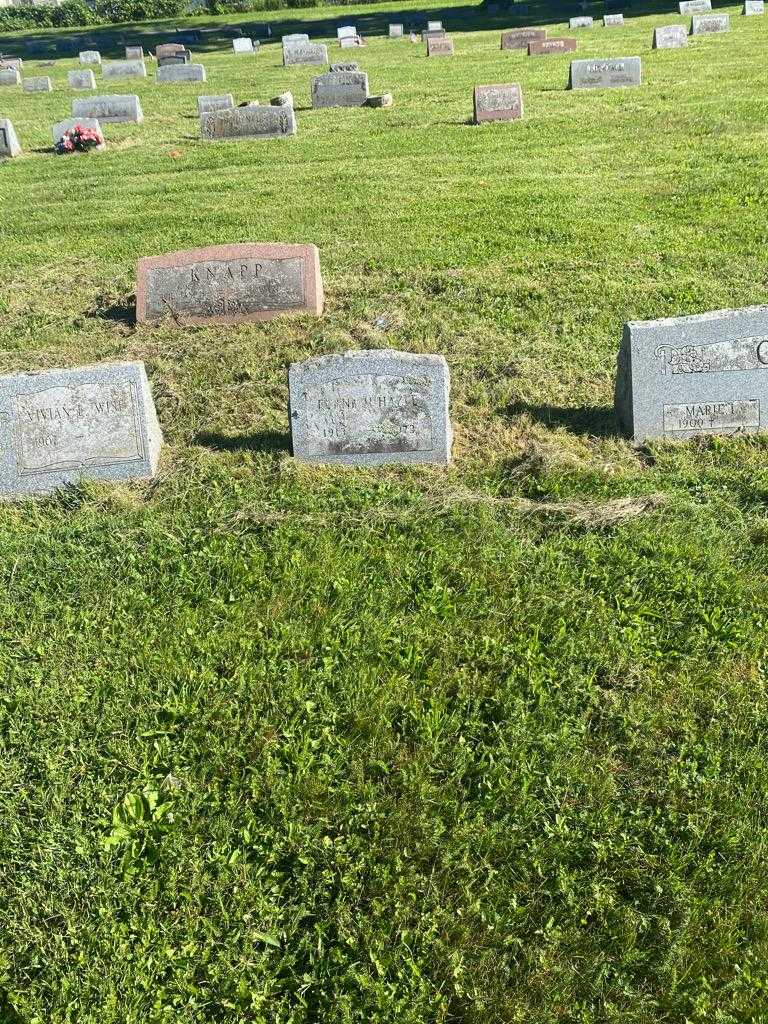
[
  {"x": 340, "y": 89},
  {"x": 117, "y": 109},
  {"x": 62, "y": 426},
  {"x": 369, "y": 408},
  {"x": 9, "y": 144},
  {"x": 171, "y": 59},
  {"x": 611, "y": 73},
  {"x": 689, "y": 375},
  {"x": 248, "y": 123}
]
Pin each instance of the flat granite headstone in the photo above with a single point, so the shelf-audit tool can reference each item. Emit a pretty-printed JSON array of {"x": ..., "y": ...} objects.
[
  {"x": 611, "y": 73},
  {"x": 10, "y": 76},
  {"x": 582, "y": 21},
  {"x": 81, "y": 79},
  {"x": 440, "y": 47},
  {"x": 243, "y": 45},
  {"x": 39, "y": 83},
  {"x": 116, "y": 109},
  {"x": 396, "y": 31},
  {"x": 613, "y": 20},
  {"x": 295, "y": 37},
  {"x": 695, "y": 6},
  {"x": 252, "y": 122},
  {"x": 753, "y": 7},
  {"x": 340, "y": 89},
  {"x": 542, "y": 47},
  {"x": 206, "y": 104},
  {"x": 304, "y": 53},
  {"x": 59, "y": 427},
  {"x": 348, "y": 66},
  {"x": 369, "y": 408},
  {"x": 89, "y": 57},
  {"x": 57, "y": 130},
  {"x": 690, "y": 375},
  {"x": 498, "y": 103},
  {"x": 705, "y": 24},
  {"x": 9, "y": 144},
  {"x": 124, "y": 69},
  {"x": 230, "y": 284},
  {"x": 180, "y": 73},
  {"x": 134, "y": 53},
  {"x": 670, "y": 37},
  {"x": 519, "y": 38}
]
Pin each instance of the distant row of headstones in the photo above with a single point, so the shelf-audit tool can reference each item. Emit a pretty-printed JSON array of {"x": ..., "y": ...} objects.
[{"x": 677, "y": 378}]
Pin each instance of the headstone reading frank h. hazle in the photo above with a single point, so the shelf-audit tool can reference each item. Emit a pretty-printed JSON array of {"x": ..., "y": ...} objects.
[
  {"x": 173, "y": 73},
  {"x": 9, "y": 144},
  {"x": 670, "y": 37},
  {"x": 440, "y": 47},
  {"x": 581, "y": 22},
  {"x": 340, "y": 89},
  {"x": 39, "y": 83},
  {"x": 81, "y": 79},
  {"x": 498, "y": 103},
  {"x": 753, "y": 7},
  {"x": 369, "y": 408},
  {"x": 249, "y": 122},
  {"x": 613, "y": 20},
  {"x": 59, "y": 427},
  {"x": 519, "y": 38},
  {"x": 695, "y": 6},
  {"x": 689, "y": 375},
  {"x": 230, "y": 284},
  {"x": 124, "y": 69},
  {"x": 704, "y": 24},
  {"x": 115, "y": 109},
  {"x": 58, "y": 130},
  {"x": 10, "y": 76},
  {"x": 90, "y": 57},
  {"x": 304, "y": 53},
  {"x": 612, "y": 73},
  {"x": 542, "y": 47},
  {"x": 206, "y": 104}
]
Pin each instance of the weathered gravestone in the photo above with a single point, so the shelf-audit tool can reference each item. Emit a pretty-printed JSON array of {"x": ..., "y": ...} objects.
[
  {"x": 174, "y": 73},
  {"x": 230, "y": 283},
  {"x": 165, "y": 50},
  {"x": 81, "y": 79},
  {"x": 90, "y": 57},
  {"x": 173, "y": 59},
  {"x": 369, "y": 408},
  {"x": 243, "y": 46},
  {"x": 613, "y": 73},
  {"x": 435, "y": 26},
  {"x": 498, "y": 103},
  {"x": 705, "y": 24},
  {"x": 519, "y": 38},
  {"x": 9, "y": 144},
  {"x": 613, "y": 20},
  {"x": 436, "y": 34},
  {"x": 753, "y": 7},
  {"x": 11, "y": 62},
  {"x": 670, "y": 37},
  {"x": 10, "y": 76},
  {"x": 58, "y": 130},
  {"x": 440, "y": 47},
  {"x": 349, "y": 42},
  {"x": 695, "y": 6},
  {"x": 39, "y": 83},
  {"x": 582, "y": 21},
  {"x": 689, "y": 375},
  {"x": 542, "y": 47},
  {"x": 340, "y": 89},
  {"x": 115, "y": 109},
  {"x": 248, "y": 123},
  {"x": 285, "y": 99},
  {"x": 62, "y": 426},
  {"x": 304, "y": 53},
  {"x": 346, "y": 32},
  {"x": 134, "y": 53},
  {"x": 206, "y": 104},
  {"x": 385, "y": 99},
  {"x": 347, "y": 66},
  {"x": 295, "y": 37},
  {"x": 396, "y": 31},
  {"x": 124, "y": 69}
]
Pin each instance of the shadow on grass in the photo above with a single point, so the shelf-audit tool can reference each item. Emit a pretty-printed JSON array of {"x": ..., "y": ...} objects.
[
  {"x": 590, "y": 420},
  {"x": 120, "y": 314},
  {"x": 262, "y": 441}
]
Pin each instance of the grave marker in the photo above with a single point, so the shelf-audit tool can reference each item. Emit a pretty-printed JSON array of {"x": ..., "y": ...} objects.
[
  {"x": 252, "y": 122},
  {"x": 230, "y": 283},
  {"x": 122, "y": 109},
  {"x": 346, "y": 32},
  {"x": 90, "y": 57},
  {"x": 695, "y": 6},
  {"x": 435, "y": 26},
  {"x": 519, "y": 38},
  {"x": 165, "y": 50},
  {"x": 582, "y": 21},
  {"x": 613, "y": 20},
  {"x": 753, "y": 7},
  {"x": 58, "y": 130},
  {"x": 243, "y": 46},
  {"x": 38, "y": 83},
  {"x": 348, "y": 66},
  {"x": 134, "y": 53},
  {"x": 340, "y": 89},
  {"x": 705, "y": 24},
  {"x": 396, "y": 31},
  {"x": 611, "y": 73},
  {"x": 10, "y": 76},
  {"x": 124, "y": 69},
  {"x": 670, "y": 37},
  {"x": 295, "y": 37},
  {"x": 9, "y": 144},
  {"x": 62, "y": 426},
  {"x": 542, "y": 47},
  {"x": 206, "y": 104},
  {"x": 498, "y": 103},
  {"x": 369, "y": 408},
  {"x": 174, "y": 59},
  {"x": 440, "y": 47},
  {"x": 285, "y": 99},
  {"x": 172, "y": 74},
  {"x": 81, "y": 79},
  {"x": 305, "y": 53}
]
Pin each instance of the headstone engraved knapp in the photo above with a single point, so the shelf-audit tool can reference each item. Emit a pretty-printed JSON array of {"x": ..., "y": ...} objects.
[
  {"x": 58, "y": 427},
  {"x": 340, "y": 89},
  {"x": 38, "y": 83},
  {"x": 670, "y": 37},
  {"x": 230, "y": 283},
  {"x": 9, "y": 144},
  {"x": 611, "y": 73},
  {"x": 81, "y": 79},
  {"x": 109, "y": 109},
  {"x": 519, "y": 38},
  {"x": 498, "y": 103},
  {"x": 704, "y": 374},
  {"x": 370, "y": 408},
  {"x": 206, "y": 104},
  {"x": 704, "y": 24},
  {"x": 542, "y": 47},
  {"x": 251, "y": 122}
]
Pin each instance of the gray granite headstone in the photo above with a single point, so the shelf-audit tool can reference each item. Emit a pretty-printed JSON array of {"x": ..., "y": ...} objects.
[
  {"x": 350, "y": 42},
  {"x": 248, "y": 123},
  {"x": 124, "y": 69},
  {"x": 670, "y": 37},
  {"x": 611, "y": 73},
  {"x": 134, "y": 53},
  {"x": 57, "y": 131},
  {"x": 172, "y": 59},
  {"x": 38, "y": 83},
  {"x": 613, "y": 20},
  {"x": 340, "y": 89},
  {"x": 689, "y": 375},
  {"x": 304, "y": 53},
  {"x": 81, "y": 79},
  {"x": 117, "y": 109},
  {"x": 90, "y": 57},
  {"x": 705, "y": 24},
  {"x": 243, "y": 45},
  {"x": 582, "y": 21},
  {"x": 10, "y": 76},
  {"x": 346, "y": 32},
  {"x": 753, "y": 7},
  {"x": 435, "y": 26},
  {"x": 59, "y": 427},
  {"x": 695, "y": 6},
  {"x": 9, "y": 144},
  {"x": 180, "y": 73},
  {"x": 206, "y": 104},
  {"x": 369, "y": 408},
  {"x": 285, "y": 99},
  {"x": 295, "y": 37},
  {"x": 396, "y": 31},
  {"x": 11, "y": 62}
]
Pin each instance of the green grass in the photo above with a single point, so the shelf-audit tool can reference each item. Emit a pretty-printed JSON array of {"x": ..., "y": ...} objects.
[{"x": 292, "y": 744}]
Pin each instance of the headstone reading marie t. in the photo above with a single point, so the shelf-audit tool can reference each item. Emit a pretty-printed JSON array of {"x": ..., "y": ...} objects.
[
  {"x": 369, "y": 408},
  {"x": 10, "y": 76},
  {"x": 206, "y": 104},
  {"x": 81, "y": 79},
  {"x": 124, "y": 69},
  {"x": 519, "y": 38},
  {"x": 250, "y": 122},
  {"x": 690, "y": 375},
  {"x": 670, "y": 37},
  {"x": 230, "y": 284},
  {"x": 59, "y": 427},
  {"x": 498, "y": 103},
  {"x": 583, "y": 21},
  {"x": 38, "y": 83},
  {"x": 613, "y": 20},
  {"x": 611, "y": 73},
  {"x": 396, "y": 30},
  {"x": 340, "y": 89},
  {"x": 9, "y": 144},
  {"x": 541, "y": 47},
  {"x": 243, "y": 45},
  {"x": 90, "y": 57},
  {"x": 695, "y": 6},
  {"x": 304, "y": 53},
  {"x": 705, "y": 24},
  {"x": 753, "y": 7},
  {"x": 440, "y": 47},
  {"x": 120, "y": 109}
]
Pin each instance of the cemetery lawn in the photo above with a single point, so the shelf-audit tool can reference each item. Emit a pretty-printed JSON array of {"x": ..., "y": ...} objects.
[{"x": 292, "y": 744}]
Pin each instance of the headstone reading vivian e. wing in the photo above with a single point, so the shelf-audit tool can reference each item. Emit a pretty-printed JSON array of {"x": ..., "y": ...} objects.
[
  {"x": 230, "y": 284},
  {"x": 9, "y": 144},
  {"x": 38, "y": 83},
  {"x": 124, "y": 69},
  {"x": 115, "y": 109},
  {"x": 206, "y": 104},
  {"x": 670, "y": 37},
  {"x": 498, "y": 103},
  {"x": 59, "y": 427},
  {"x": 611, "y": 73},
  {"x": 519, "y": 38},
  {"x": 369, "y": 408},
  {"x": 689, "y": 375},
  {"x": 174, "y": 73},
  {"x": 440, "y": 47},
  {"x": 705, "y": 24},
  {"x": 250, "y": 122},
  {"x": 340, "y": 89},
  {"x": 542, "y": 47},
  {"x": 81, "y": 79}
]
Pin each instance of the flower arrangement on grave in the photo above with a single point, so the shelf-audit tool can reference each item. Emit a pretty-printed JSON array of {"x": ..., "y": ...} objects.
[{"x": 79, "y": 140}]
